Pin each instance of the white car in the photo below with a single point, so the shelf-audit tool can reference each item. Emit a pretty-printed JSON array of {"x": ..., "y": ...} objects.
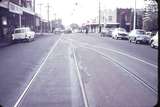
[
  {"x": 154, "y": 41},
  {"x": 138, "y": 36},
  {"x": 119, "y": 33},
  {"x": 23, "y": 33}
]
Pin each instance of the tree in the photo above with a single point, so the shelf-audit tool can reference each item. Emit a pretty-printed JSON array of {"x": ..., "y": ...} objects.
[
  {"x": 150, "y": 19},
  {"x": 74, "y": 26}
]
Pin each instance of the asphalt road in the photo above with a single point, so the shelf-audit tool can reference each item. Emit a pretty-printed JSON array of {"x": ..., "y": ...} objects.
[{"x": 78, "y": 70}]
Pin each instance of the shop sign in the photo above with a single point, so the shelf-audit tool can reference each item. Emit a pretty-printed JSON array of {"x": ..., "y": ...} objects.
[
  {"x": 15, "y": 8},
  {"x": 4, "y": 3},
  {"x": 28, "y": 10}
]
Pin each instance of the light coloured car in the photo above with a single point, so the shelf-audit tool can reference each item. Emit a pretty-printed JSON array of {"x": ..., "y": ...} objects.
[
  {"x": 106, "y": 32},
  {"x": 119, "y": 33},
  {"x": 139, "y": 36},
  {"x": 23, "y": 33},
  {"x": 151, "y": 34},
  {"x": 154, "y": 41}
]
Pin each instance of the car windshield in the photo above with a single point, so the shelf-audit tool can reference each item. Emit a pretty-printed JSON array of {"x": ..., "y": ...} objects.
[
  {"x": 140, "y": 32},
  {"x": 20, "y": 31},
  {"x": 121, "y": 29}
]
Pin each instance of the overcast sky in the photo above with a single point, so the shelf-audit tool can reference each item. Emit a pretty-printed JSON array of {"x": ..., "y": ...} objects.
[{"x": 70, "y": 12}]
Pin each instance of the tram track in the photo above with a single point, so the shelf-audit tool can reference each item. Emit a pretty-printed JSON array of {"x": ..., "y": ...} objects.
[{"x": 114, "y": 61}]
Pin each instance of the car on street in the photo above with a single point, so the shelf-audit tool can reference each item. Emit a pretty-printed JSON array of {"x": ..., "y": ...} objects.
[
  {"x": 154, "y": 41},
  {"x": 151, "y": 34},
  {"x": 139, "y": 36},
  {"x": 23, "y": 33},
  {"x": 119, "y": 33},
  {"x": 106, "y": 32},
  {"x": 58, "y": 31},
  {"x": 67, "y": 31}
]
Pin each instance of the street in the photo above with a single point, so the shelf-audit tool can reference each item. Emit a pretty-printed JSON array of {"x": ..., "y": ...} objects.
[{"x": 78, "y": 70}]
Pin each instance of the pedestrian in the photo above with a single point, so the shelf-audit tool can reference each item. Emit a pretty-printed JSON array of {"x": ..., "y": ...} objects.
[{"x": 86, "y": 30}]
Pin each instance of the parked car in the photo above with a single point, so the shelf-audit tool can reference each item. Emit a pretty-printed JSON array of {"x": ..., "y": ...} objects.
[
  {"x": 119, "y": 33},
  {"x": 138, "y": 36},
  {"x": 23, "y": 33},
  {"x": 106, "y": 32},
  {"x": 58, "y": 30},
  {"x": 67, "y": 31},
  {"x": 154, "y": 41},
  {"x": 151, "y": 34}
]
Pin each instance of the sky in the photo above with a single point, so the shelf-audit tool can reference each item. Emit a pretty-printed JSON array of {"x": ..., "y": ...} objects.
[{"x": 79, "y": 11}]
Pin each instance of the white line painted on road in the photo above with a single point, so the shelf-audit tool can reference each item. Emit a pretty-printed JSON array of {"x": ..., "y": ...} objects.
[
  {"x": 133, "y": 57},
  {"x": 38, "y": 70},
  {"x": 141, "y": 80},
  {"x": 81, "y": 82}
]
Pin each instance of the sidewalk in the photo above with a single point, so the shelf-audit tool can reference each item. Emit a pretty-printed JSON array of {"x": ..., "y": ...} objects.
[
  {"x": 7, "y": 42},
  {"x": 4, "y": 42}
]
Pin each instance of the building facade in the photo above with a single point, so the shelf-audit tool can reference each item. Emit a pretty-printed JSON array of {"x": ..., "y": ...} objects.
[{"x": 15, "y": 13}]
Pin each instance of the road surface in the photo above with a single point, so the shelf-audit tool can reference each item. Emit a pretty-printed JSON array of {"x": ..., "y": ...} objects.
[{"x": 78, "y": 70}]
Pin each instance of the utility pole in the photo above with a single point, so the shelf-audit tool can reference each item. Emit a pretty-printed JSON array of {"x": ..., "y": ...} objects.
[
  {"x": 99, "y": 17},
  {"x": 134, "y": 21},
  {"x": 48, "y": 10},
  {"x": 40, "y": 7},
  {"x": 34, "y": 4},
  {"x": 20, "y": 23}
]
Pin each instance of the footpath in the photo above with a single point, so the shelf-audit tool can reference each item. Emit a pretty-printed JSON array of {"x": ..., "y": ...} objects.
[{"x": 7, "y": 42}]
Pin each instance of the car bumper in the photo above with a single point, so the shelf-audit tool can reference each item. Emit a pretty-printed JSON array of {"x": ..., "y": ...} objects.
[
  {"x": 143, "y": 40},
  {"x": 122, "y": 37},
  {"x": 19, "y": 38}
]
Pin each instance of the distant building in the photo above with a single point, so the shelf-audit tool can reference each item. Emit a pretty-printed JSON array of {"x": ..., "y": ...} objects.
[
  {"x": 125, "y": 16},
  {"x": 109, "y": 16}
]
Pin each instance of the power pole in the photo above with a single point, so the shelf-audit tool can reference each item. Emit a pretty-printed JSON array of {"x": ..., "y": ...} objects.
[
  {"x": 48, "y": 10},
  {"x": 134, "y": 21},
  {"x": 20, "y": 23},
  {"x": 99, "y": 17},
  {"x": 40, "y": 16},
  {"x": 34, "y": 4}
]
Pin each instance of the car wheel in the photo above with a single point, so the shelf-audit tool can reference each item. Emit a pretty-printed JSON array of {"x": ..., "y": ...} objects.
[
  {"x": 116, "y": 38},
  {"x": 33, "y": 39},
  {"x": 137, "y": 42},
  {"x": 29, "y": 39},
  {"x": 14, "y": 41},
  {"x": 152, "y": 45}
]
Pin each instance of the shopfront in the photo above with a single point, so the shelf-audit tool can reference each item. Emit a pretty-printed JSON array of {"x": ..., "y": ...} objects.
[
  {"x": 28, "y": 18},
  {"x": 9, "y": 19}
]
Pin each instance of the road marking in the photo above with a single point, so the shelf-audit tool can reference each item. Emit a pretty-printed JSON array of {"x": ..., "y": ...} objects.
[
  {"x": 133, "y": 57},
  {"x": 38, "y": 70},
  {"x": 141, "y": 80},
  {"x": 81, "y": 82}
]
